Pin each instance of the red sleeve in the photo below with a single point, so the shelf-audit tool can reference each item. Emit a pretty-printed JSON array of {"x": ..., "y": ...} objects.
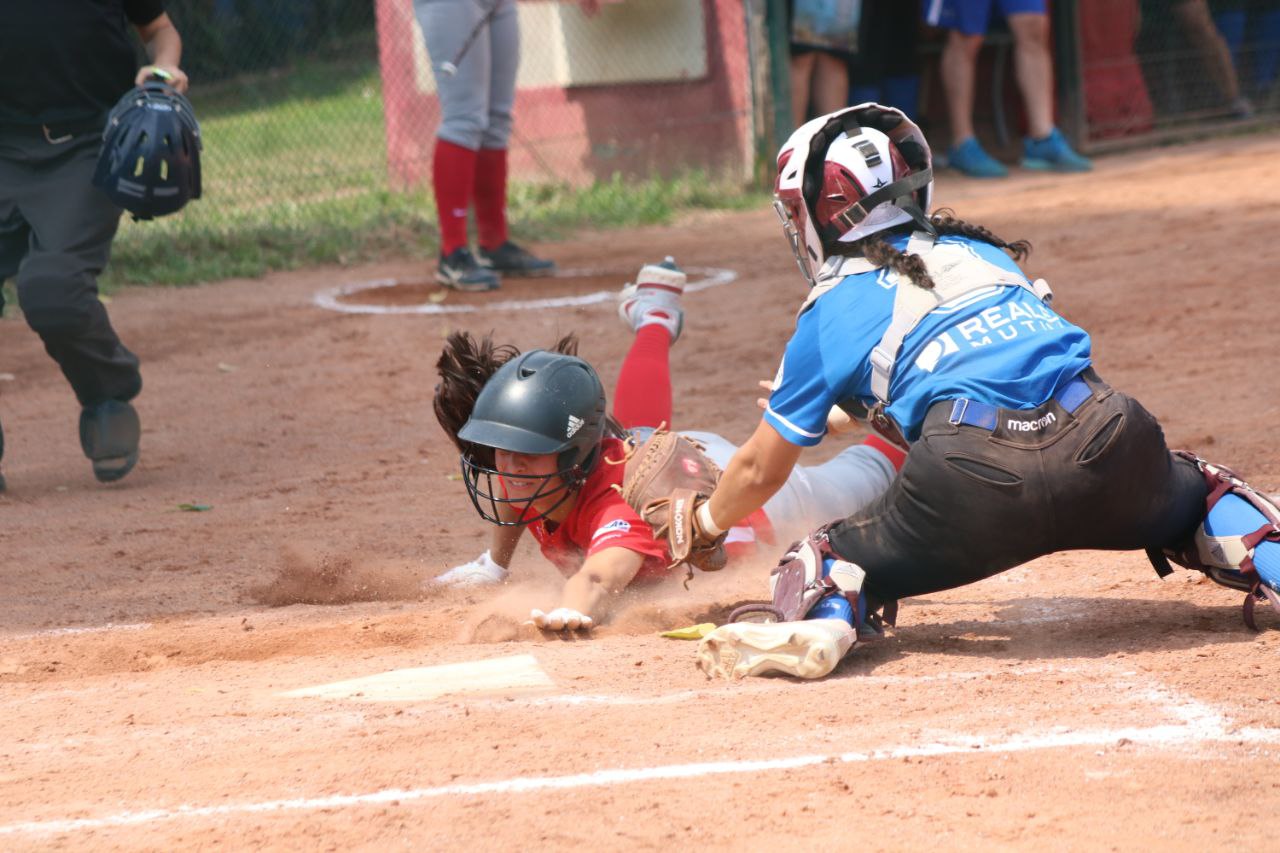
[{"x": 610, "y": 523}]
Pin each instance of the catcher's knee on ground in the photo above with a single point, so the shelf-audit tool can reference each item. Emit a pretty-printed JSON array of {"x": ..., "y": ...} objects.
[{"x": 1237, "y": 543}]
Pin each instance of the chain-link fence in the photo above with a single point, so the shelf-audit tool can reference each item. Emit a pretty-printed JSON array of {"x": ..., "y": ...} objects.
[
  {"x": 319, "y": 116},
  {"x": 288, "y": 94},
  {"x": 1153, "y": 68}
]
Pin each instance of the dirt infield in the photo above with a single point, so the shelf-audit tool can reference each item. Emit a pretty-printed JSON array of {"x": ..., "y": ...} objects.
[{"x": 1077, "y": 702}]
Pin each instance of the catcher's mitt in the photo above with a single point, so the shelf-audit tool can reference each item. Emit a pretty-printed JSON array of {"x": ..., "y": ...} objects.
[{"x": 665, "y": 481}]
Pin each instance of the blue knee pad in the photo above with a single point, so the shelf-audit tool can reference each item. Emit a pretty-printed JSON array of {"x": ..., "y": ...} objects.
[
  {"x": 837, "y": 606},
  {"x": 1234, "y": 516}
]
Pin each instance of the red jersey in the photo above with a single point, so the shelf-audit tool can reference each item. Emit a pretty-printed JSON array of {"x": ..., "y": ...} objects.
[{"x": 601, "y": 519}]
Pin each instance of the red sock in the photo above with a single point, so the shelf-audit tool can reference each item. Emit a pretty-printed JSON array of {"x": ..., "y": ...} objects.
[
  {"x": 895, "y": 454},
  {"x": 643, "y": 395},
  {"x": 452, "y": 174},
  {"x": 491, "y": 197}
]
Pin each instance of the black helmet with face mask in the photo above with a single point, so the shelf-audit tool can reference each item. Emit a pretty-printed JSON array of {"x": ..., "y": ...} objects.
[{"x": 539, "y": 403}]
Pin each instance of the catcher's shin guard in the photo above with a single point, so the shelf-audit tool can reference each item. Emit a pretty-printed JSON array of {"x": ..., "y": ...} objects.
[
  {"x": 1238, "y": 542},
  {"x": 817, "y": 614},
  {"x": 805, "y": 582}
]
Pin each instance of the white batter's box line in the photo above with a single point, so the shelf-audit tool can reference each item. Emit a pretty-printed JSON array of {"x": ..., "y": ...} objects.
[
  {"x": 1157, "y": 736},
  {"x": 331, "y": 299}
]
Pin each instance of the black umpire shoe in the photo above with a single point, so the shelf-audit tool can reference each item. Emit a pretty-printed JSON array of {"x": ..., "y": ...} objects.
[
  {"x": 510, "y": 259},
  {"x": 109, "y": 434},
  {"x": 461, "y": 271}
]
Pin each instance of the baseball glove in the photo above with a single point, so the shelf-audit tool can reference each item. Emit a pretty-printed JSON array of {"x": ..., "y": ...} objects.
[{"x": 665, "y": 481}]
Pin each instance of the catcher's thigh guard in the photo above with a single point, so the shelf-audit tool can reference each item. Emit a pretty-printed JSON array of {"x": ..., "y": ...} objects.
[{"x": 1238, "y": 542}]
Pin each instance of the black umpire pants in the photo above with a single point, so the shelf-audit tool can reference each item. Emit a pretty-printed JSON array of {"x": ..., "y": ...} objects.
[
  {"x": 56, "y": 230},
  {"x": 970, "y": 502}
]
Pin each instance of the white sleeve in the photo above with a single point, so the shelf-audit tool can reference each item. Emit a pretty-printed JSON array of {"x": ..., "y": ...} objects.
[{"x": 816, "y": 494}]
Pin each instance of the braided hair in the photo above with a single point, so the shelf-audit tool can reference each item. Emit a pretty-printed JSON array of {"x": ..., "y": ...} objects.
[{"x": 877, "y": 250}]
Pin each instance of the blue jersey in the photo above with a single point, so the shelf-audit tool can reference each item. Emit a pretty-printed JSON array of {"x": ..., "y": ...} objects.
[{"x": 998, "y": 345}]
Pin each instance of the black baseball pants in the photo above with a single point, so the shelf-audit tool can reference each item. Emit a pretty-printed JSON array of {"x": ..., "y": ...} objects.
[
  {"x": 56, "y": 230},
  {"x": 970, "y": 503}
]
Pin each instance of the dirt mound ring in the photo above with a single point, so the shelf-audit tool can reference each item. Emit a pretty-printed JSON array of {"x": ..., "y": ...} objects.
[{"x": 568, "y": 288}]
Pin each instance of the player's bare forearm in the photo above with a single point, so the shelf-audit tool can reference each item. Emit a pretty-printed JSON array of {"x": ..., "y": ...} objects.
[
  {"x": 602, "y": 576},
  {"x": 755, "y": 473},
  {"x": 164, "y": 48},
  {"x": 162, "y": 41}
]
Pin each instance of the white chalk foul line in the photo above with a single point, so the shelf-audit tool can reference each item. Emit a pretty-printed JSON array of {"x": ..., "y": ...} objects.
[
  {"x": 1197, "y": 731},
  {"x": 64, "y": 632},
  {"x": 330, "y": 299}
]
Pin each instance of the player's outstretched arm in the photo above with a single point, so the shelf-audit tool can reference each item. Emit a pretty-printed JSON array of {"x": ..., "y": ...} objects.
[{"x": 589, "y": 593}]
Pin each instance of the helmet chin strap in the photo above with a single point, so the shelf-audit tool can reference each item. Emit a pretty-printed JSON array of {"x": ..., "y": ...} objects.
[{"x": 904, "y": 188}]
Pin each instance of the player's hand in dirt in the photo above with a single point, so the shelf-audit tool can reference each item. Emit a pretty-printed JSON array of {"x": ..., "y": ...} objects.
[
  {"x": 480, "y": 571},
  {"x": 561, "y": 619}
]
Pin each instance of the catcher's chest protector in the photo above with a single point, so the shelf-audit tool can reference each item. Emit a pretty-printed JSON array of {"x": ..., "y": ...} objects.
[{"x": 956, "y": 272}]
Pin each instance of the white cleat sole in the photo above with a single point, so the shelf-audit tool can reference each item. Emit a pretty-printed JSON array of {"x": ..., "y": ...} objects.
[{"x": 808, "y": 649}]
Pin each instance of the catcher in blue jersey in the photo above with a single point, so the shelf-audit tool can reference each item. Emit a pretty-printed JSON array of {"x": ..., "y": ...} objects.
[{"x": 926, "y": 327}]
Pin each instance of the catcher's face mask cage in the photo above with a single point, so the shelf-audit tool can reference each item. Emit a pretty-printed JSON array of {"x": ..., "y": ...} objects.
[
  {"x": 847, "y": 175},
  {"x": 150, "y": 159},
  {"x": 538, "y": 404}
]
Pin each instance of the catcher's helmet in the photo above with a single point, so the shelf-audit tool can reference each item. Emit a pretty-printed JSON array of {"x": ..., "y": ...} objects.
[
  {"x": 150, "y": 160},
  {"x": 539, "y": 403},
  {"x": 850, "y": 174}
]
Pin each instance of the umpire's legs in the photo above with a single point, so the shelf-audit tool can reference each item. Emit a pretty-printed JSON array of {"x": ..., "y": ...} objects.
[{"x": 49, "y": 199}]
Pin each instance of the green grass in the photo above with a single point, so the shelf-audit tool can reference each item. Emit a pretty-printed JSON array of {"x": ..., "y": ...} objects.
[
  {"x": 294, "y": 169},
  {"x": 379, "y": 223}
]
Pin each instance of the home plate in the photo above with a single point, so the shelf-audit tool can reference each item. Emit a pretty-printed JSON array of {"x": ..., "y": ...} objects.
[{"x": 513, "y": 674}]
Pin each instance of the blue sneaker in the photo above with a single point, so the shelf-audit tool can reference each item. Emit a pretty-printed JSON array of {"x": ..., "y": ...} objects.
[
  {"x": 1052, "y": 154},
  {"x": 970, "y": 158}
]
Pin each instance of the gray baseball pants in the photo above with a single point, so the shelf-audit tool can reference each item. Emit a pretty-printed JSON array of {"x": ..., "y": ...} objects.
[{"x": 475, "y": 102}]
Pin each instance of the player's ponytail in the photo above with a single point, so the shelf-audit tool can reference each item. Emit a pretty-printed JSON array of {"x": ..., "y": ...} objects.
[
  {"x": 465, "y": 365},
  {"x": 875, "y": 249},
  {"x": 881, "y": 254},
  {"x": 945, "y": 222}
]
